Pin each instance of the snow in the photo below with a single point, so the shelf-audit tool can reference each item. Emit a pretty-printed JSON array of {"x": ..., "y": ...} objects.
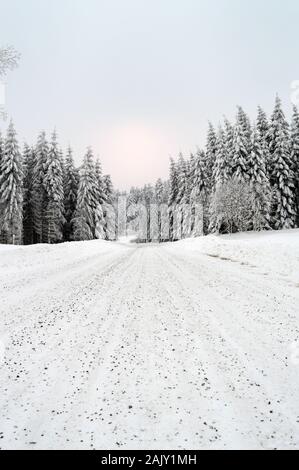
[
  {"x": 276, "y": 252},
  {"x": 173, "y": 346}
]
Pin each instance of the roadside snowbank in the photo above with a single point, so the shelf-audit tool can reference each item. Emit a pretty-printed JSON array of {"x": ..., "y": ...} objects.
[
  {"x": 19, "y": 259},
  {"x": 274, "y": 252}
]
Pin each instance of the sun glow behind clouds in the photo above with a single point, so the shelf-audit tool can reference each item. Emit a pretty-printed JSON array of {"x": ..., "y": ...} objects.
[{"x": 132, "y": 153}]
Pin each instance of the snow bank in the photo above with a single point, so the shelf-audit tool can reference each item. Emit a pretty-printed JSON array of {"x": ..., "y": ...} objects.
[
  {"x": 274, "y": 252},
  {"x": 21, "y": 258}
]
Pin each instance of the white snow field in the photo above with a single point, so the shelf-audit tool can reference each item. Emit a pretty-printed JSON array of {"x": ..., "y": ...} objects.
[{"x": 189, "y": 345}]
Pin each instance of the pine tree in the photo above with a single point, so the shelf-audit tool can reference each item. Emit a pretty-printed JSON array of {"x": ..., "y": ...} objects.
[
  {"x": 109, "y": 209},
  {"x": 29, "y": 161},
  {"x": 281, "y": 176},
  {"x": 221, "y": 171},
  {"x": 89, "y": 218},
  {"x": 11, "y": 189},
  {"x": 1, "y": 147},
  {"x": 38, "y": 189},
  {"x": 99, "y": 198},
  {"x": 183, "y": 218},
  {"x": 240, "y": 148},
  {"x": 199, "y": 196},
  {"x": 229, "y": 144},
  {"x": 181, "y": 179},
  {"x": 246, "y": 125},
  {"x": 53, "y": 184},
  {"x": 100, "y": 182},
  {"x": 173, "y": 195},
  {"x": 200, "y": 182},
  {"x": 108, "y": 189},
  {"x": 259, "y": 183},
  {"x": 262, "y": 126},
  {"x": 295, "y": 156},
  {"x": 174, "y": 183},
  {"x": 209, "y": 157},
  {"x": 71, "y": 182}
]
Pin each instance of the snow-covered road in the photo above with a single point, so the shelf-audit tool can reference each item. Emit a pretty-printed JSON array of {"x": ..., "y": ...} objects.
[{"x": 126, "y": 346}]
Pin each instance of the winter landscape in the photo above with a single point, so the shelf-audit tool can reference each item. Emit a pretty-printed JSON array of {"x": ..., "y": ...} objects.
[{"x": 148, "y": 314}]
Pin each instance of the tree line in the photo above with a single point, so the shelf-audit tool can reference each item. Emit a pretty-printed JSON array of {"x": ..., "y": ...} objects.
[
  {"x": 44, "y": 198},
  {"x": 247, "y": 178}
]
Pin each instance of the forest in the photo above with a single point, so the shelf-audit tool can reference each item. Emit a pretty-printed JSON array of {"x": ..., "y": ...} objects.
[{"x": 246, "y": 178}]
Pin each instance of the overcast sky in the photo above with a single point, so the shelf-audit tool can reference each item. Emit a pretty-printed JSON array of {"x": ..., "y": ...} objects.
[{"x": 138, "y": 80}]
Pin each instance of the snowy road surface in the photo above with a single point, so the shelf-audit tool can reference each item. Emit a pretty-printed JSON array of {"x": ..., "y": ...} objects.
[{"x": 173, "y": 346}]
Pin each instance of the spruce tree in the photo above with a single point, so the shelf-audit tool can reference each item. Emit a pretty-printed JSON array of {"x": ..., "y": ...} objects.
[
  {"x": 89, "y": 218},
  {"x": 281, "y": 171},
  {"x": 199, "y": 196},
  {"x": 1, "y": 147},
  {"x": 100, "y": 182},
  {"x": 259, "y": 183},
  {"x": 295, "y": 156},
  {"x": 53, "y": 184},
  {"x": 243, "y": 118},
  {"x": 228, "y": 143},
  {"x": 173, "y": 195},
  {"x": 109, "y": 209},
  {"x": 262, "y": 126},
  {"x": 108, "y": 189},
  {"x": 209, "y": 157},
  {"x": 181, "y": 179},
  {"x": 11, "y": 190},
  {"x": 28, "y": 168},
  {"x": 221, "y": 170},
  {"x": 240, "y": 148},
  {"x": 70, "y": 193},
  {"x": 38, "y": 189}
]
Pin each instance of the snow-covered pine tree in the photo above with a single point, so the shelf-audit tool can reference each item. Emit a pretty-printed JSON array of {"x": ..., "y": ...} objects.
[
  {"x": 108, "y": 189},
  {"x": 241, "y": 146},
  {"x": 221, "y": 171},
  {"x": 70, "y": 193},
  {"x": 100, "y": 181},
  {"x": 159, "y": 201},
  {"x": 182, "y": 196},
  {"x": 99, "y": 200},
  {"x": 199, "y": 194},
  {"x": 109, "y": 209},
  {"x": 1, "y": 148},
  {"x": 181, "y": 178},
  {"x": 11, "y": 190},
  {"x": 262, "y": 126},
  {"x": 229, "y": 143},
  {"x": 259, "y": 183},
  {"x": 281, "y": 171},
  {"x": 88, "y": 222},
  {"x": 29, "y": 162},
  {"x": 38, "y": 189},
  {"x": 173, "y": 194},
  {"x": 244, "y": 119},
  {"x": 210, "y": 158},
  {"x": 83, "y": 222},
  {"x": 173, "y": 182},
  {"x": 295, "y": 156},
  {"x": 161, "y": 197},
  {"x": 53, "y": 184}
]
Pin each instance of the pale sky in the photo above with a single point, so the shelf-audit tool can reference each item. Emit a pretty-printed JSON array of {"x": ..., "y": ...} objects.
[{"x": 138, "y": 80}]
